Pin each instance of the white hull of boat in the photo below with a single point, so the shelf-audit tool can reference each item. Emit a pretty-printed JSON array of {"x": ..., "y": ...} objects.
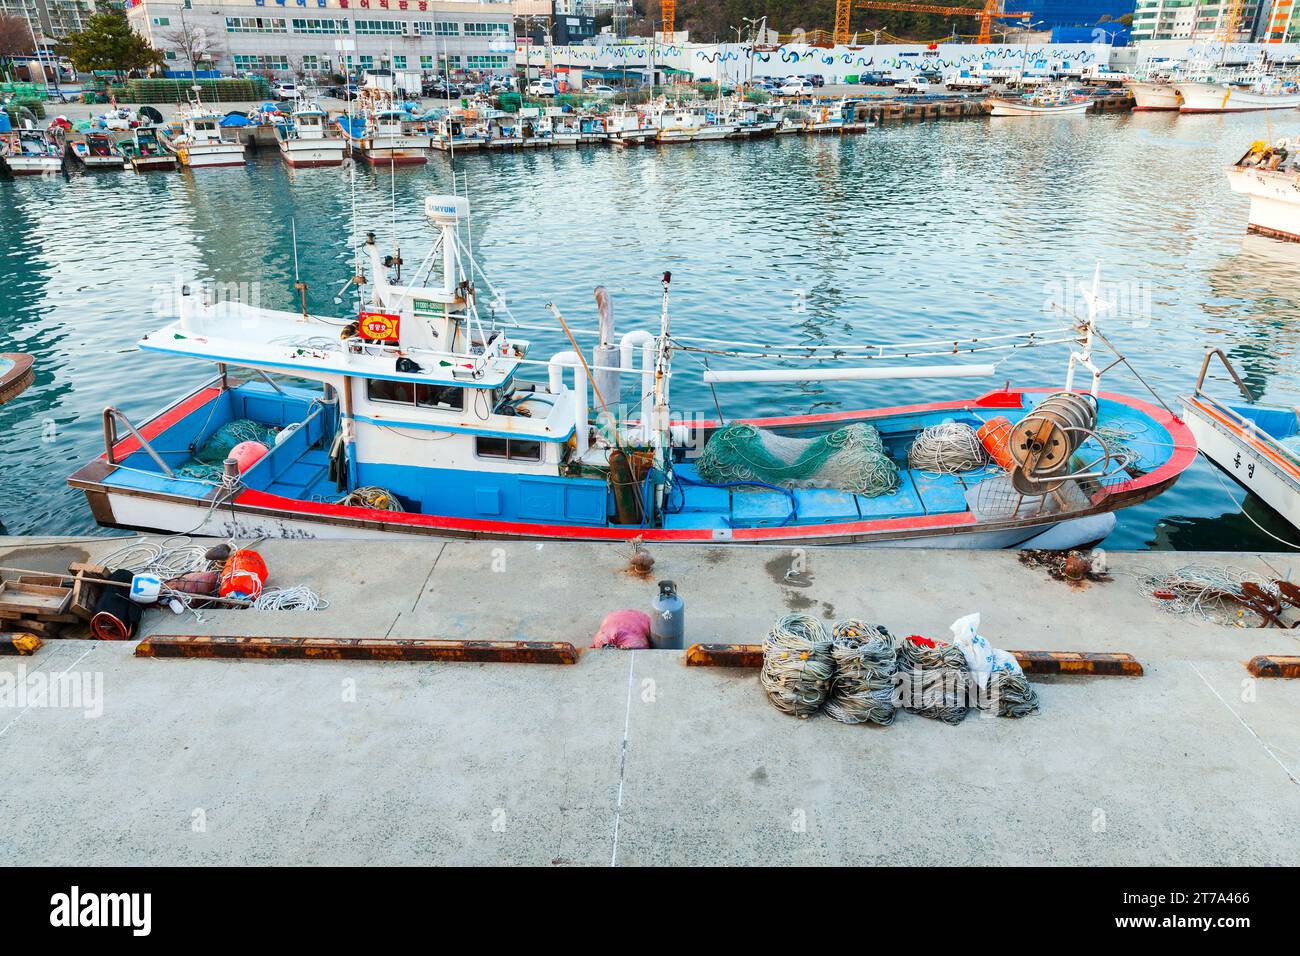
[
  {"x": 1274, "y": 201},
  {"x": 312, "y": 152},
  {"x": 1276, "y": 483},
  {"x": 205, "y": 155},
  {"x": 1155, "y": 96},
  {"x": 144, "y": 164},
  {"x": 1221, "y": 98},
  {"x": 717, "y": 131},
  {"x": 34, "y": 165},
  {"x": 447, "y": 146},
  {"x": 999, "y": 107},
  {"x": 393, "y": 150},
  {"x": 101, "y": 162}
]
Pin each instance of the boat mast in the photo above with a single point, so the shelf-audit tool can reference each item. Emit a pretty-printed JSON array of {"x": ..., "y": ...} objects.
[
  {"x": 1083, "y": 356},
  {"x": 663, "y": 359}
]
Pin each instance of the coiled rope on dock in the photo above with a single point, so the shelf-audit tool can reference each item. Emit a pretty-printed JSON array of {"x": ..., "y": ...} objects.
[
  {"x": 862, "y": 688},
  {"x": 1012, "y": 694},
  {"x": 297, "y": 598},
  {"x": 935, "y": 679},
  {"x": 947, "y": 449},
  {"x": 372, "y": 496},
  {"x": 797, "y": 665},
  {"x": 169, "y": 558}
]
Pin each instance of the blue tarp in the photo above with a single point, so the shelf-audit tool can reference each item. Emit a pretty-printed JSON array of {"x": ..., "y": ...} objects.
[
  {"x": 353, "y": 127},
  {"x": 235, "y": 119}
]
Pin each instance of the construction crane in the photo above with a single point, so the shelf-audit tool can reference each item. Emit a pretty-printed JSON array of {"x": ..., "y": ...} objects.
[
  {"x": 992, "y": 10},
  {"x": 1230, "y": 23},
  {"x": 669, "y": 10}
]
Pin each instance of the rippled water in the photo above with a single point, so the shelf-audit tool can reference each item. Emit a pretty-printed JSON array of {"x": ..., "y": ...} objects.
[{"x": 921, "y": 231}]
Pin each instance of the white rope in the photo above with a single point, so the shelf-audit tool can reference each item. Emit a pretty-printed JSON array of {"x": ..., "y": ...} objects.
[
  {"x": 947, "y": 449},
  {"x": 297, "y": 598}
]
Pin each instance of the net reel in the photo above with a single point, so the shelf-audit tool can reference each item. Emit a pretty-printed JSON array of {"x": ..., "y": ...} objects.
[{"x": 1043, "y": 443}]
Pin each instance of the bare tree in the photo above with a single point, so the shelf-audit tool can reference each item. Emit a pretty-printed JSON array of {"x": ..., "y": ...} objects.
[
  {"x": 15, "y": 38},
  {"x": 194, "y": 44}
]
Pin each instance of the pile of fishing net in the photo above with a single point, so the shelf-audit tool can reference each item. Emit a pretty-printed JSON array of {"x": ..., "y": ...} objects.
[
  {"x": 934, "y": 679},
  {"x": 209, "y": 457},
  {"x": 797, "y": 665},
  {"x": 947, "y": 449},
  {"x": 862, "y": 688},
  {"x": 851, "y": 458}
]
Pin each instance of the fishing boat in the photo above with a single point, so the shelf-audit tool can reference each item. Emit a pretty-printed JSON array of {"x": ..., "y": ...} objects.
[
  {"x": 30, "y": 152},
  {"x": 503, "y": 130},
  {"x": 1054, "y": 101},
  {"x": 1239, "y": 96},
  {"x": 1153, "y": 94},
  {"x": 824, "y": 118},
  {"x": 16, "y": 375},
  {"x": 144, "y": 150},
  {"x": 1257, "y": 445},
  {"x": 201, "y": 143},
  {"x": 535, "y": 128},
  {"x": 595, "y": 128},
  {"x": 457, "y": 130},
  {"x": 305, "y": 140},
  {"x": 630, "y": 127},
  {"x": 97, "y": 151},
  {"x": 380, "y": 133},
  {"x": 1270, "y": 176},
  {"x": 417, "y": 416},
  {"x": 678, "y": 125},
  {"x": 565, "y": 130}
]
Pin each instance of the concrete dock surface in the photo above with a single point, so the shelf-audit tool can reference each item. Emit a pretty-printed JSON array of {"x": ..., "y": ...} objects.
[{"x": 632, "y": 758}]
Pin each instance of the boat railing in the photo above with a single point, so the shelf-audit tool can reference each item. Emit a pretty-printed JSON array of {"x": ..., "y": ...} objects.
[
  {"x": 111, "y": 417},
  {"x": 1225, "y": 410}
]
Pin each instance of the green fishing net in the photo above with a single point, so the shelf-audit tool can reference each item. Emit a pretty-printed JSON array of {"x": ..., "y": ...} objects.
[
  {"x": 851, "y": 458},
  {"x": 210, "y": 456}
]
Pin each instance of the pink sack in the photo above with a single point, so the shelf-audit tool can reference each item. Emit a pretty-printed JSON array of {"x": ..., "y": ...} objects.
[{"x": 626, "y": 630}]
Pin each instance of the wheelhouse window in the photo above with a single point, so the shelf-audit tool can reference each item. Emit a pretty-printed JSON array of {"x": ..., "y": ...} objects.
[
  {"x": 449, "y": 397},
  {"x": 511, "y": 449}
]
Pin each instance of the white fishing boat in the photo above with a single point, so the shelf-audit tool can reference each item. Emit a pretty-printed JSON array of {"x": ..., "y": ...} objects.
[
  {"x": 536, "y": 129},
  {"x": 418, "y": 417},
  {"x": 1056, "y": 101},
  {"x": 144, "y": 150},
  {"x": 305, "y": 140},
  {"x": 1270, "y": 176},
  {"x": 1154, "y": 94},
  {"x": 1257, "y": 445},
  {"x": 1240, "y": 96},
  {"x": 824, "y": 118},
  {"x": 458, "y": 130},
  {"x": 201, "y": 144},
  {"x": 716, "y": 125},
  {"x": 381, "y": 134},
  {"x": 677, "y": 125},
  {"x": 503, "y": 130},
  {"x": 630, "y": 128},
  {"x": 97, "y": 150},
  {"x": 30, "y": 152}
]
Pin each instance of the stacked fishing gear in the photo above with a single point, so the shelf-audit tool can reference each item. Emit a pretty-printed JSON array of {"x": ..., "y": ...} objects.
[
  {"x": 797, "y": 665},
  {"x": 862, "y": 688},
  {"x": 851, "y": 458},
  {"x": 934, "y": 679},
  {"x": 948, "y": 448},
  {"x": 373, "y": 497}
]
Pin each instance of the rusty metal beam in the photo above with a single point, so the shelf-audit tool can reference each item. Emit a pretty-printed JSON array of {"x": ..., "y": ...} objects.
[
  {"x": 1078, "y": 662},
  {"x": 1033, "y": 662},
  {"x": 357, "y": 649},
  {"x": 724, "y": 655},
  {"x": 20, "y": 645},
  {"x": 1274, "y": 665}
]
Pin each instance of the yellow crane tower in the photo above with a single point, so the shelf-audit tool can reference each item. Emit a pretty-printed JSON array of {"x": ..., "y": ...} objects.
[{"x": 992, "y": 10}]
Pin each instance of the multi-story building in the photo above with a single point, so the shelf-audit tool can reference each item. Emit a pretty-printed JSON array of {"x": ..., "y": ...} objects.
[
  {"x": 1192, "y": 19},
  {"x": 1281, "y": 24},
  {"x": 330, "y": 36},
  {"x": 50, "y": 19}
]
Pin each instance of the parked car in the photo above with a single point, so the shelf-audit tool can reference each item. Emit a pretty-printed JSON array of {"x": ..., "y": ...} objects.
[
  {"x": 500, "y": 85},
  {"x": 876, "y": 79},
  {"x": 541, "y": 88},
  {"x": 443, "y": 90},
  {"x": 816, "y": 79},
  {"x": 796, "y": 86},
  {"x": 599, "y": 89},
  {"x": 285, "y": 90},
  {"x": 919, "y": 85}
]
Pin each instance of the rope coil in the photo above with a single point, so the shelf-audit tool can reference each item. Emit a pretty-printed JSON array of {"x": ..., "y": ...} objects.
[
  {"x": 935, "y": 680},
  {"x": 947, "y": 449},
  {"x": 797, "y": 665},
  {"x": 862, "y": 689}
]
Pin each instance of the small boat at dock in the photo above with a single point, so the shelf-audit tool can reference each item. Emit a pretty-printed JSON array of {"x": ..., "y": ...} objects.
[
  {"x": 305, "y": 139},
  {"x": 16, "y": 375},
  {"x": 1044, "y": 102},
  {"x": 1257, "y": 445},
  {"x": 380, "y": 133},
  {"x": 31, "y": 152},
  {"x": 1238, "y": 96},
  {"x": 97, "y": 150},
  {"x": 458, "y": 130},
  {"x": 202, "y": 144},
  {"x": 144, "y": 150}
]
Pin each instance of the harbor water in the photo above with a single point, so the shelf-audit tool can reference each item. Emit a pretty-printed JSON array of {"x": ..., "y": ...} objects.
[{"x": 912, "y": 232}]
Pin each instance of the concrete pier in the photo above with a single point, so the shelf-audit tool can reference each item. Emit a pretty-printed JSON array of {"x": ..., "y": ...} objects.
[{"x": 630, "y": 757}]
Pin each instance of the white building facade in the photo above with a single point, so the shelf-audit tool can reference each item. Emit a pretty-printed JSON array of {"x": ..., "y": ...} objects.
[
  {"x": 1192, "y": 19},
  {"x": 317, "y": 37},
  {"x": 50, "y": 19}
]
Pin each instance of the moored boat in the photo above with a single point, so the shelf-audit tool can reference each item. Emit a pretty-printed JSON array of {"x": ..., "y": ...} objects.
[
  {"x": 1154, "y": 95},
  {"x": 31, "y": 152},
  {"x": 1257, "y": 445},
  {"x": 201, "y": 144},
  {"x": 419, "y": 418},
  {"x": 1270, "y": 176},
  {"x": 1264, "y": 93},
  {"x": 97, "y": 150},
  {"x": 144, "y": 150},
  {"x": 16, "y": 375},
  {"x": 380, "y": 133},
  {"x": 1045, "y": 102},
  {"x": 305, "y": 139},
  {"x": 457, "y": 130}
]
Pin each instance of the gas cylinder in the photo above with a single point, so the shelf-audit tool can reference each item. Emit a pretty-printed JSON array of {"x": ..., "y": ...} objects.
[{"x": 667, "y": 618}]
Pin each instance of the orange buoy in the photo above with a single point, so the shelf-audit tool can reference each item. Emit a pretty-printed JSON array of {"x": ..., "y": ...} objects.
[
  {"x": 994, "y": 435},
  {"x": 247, "y": 454},
  {"x": 244, "y": 575}
]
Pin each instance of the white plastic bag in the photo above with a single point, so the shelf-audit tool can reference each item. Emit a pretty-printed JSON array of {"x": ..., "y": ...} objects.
[{"x": 981, "y": 657}]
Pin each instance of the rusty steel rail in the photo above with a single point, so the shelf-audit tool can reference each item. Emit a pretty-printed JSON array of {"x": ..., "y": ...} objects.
[
  {"x": 1274, "y": 665},
  {"x": 357, "y": 649},
  {"x": 1033, "y": 662}
]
